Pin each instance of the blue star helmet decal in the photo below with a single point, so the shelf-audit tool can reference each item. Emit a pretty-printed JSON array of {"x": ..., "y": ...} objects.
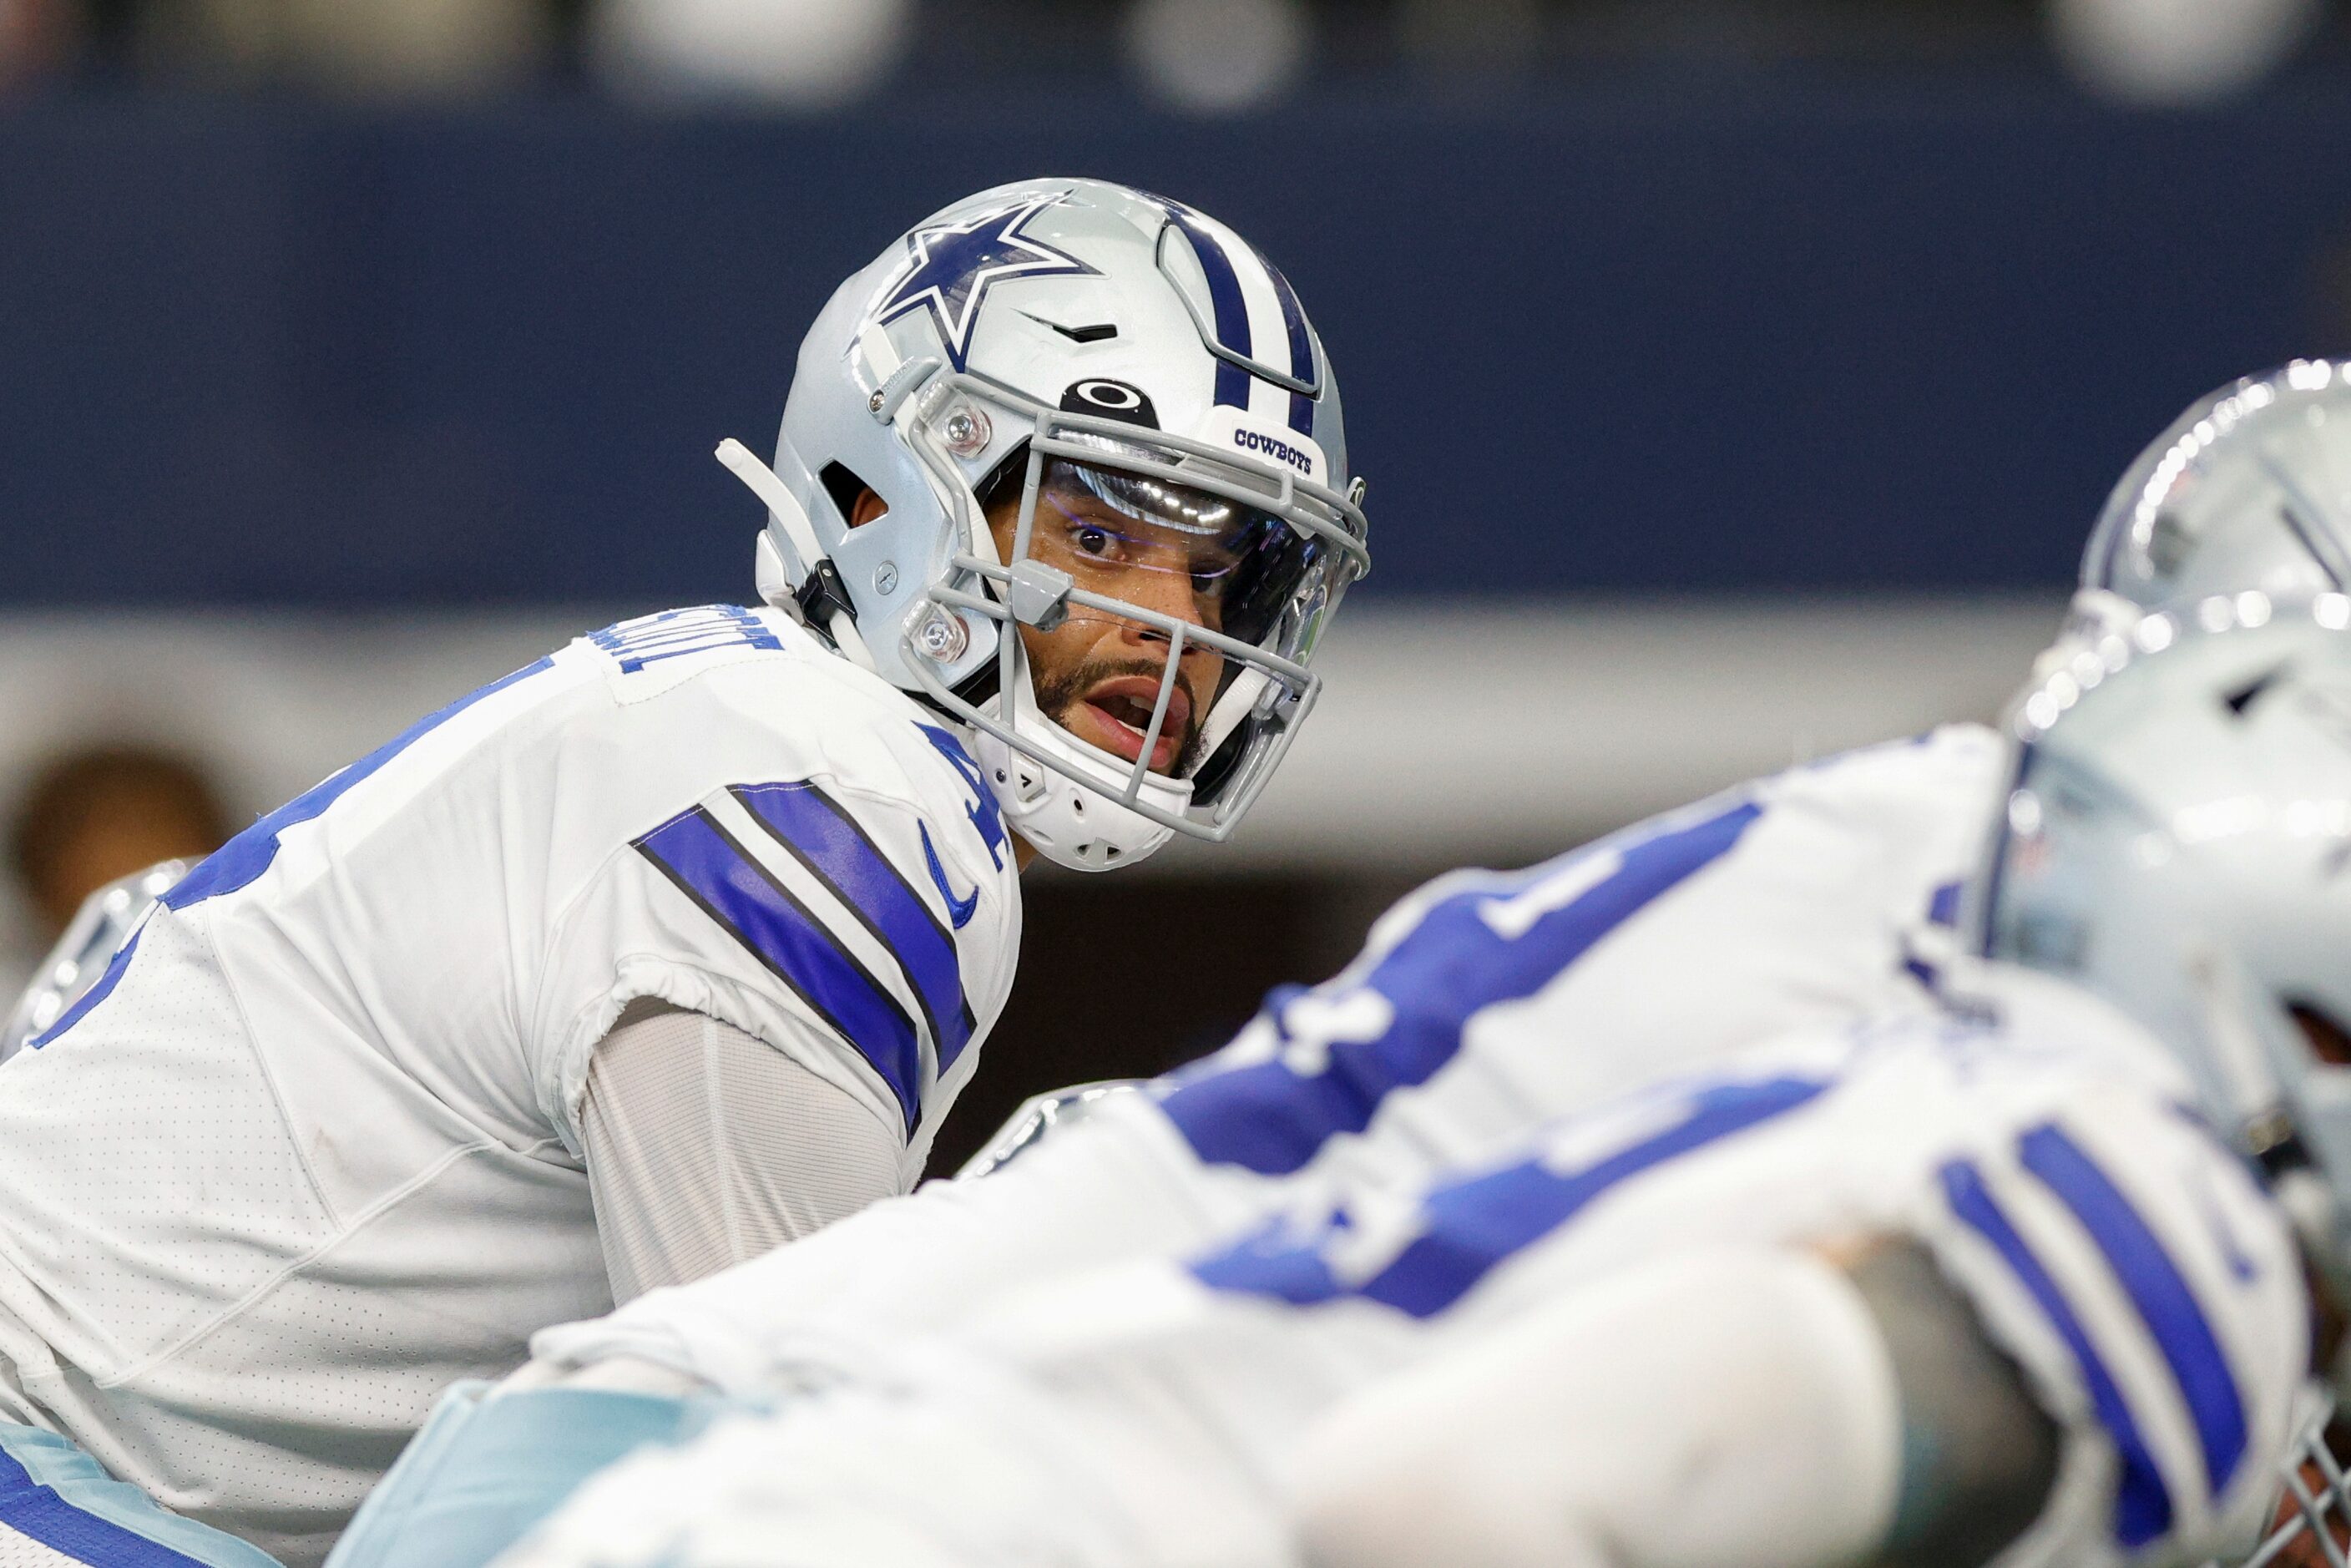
[{"x": 956, "y": 264}]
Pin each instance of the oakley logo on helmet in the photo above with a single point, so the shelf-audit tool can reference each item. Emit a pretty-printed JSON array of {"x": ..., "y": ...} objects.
[
  {"x": 1111, "y": 400},
  {"x": 1279, "y": 450}
]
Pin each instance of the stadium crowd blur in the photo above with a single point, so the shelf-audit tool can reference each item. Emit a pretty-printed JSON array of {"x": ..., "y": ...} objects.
[{"x": 1204, "y": 55}]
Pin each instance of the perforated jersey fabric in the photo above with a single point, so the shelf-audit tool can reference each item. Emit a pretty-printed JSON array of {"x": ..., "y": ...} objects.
[
  {"x": 707, "y": 1145},
  {"x": 308, "y": 1151}
]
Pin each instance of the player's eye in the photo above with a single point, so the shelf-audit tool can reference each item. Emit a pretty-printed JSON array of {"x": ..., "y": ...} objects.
[{"x": 1092, "y": 539}]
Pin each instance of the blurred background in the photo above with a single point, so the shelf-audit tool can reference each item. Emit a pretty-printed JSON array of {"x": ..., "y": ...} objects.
[{"x": 1736, "y": 379}]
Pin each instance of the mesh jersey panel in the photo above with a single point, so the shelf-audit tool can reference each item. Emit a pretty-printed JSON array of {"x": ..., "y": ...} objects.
[{"x": 706, "y": 1147}]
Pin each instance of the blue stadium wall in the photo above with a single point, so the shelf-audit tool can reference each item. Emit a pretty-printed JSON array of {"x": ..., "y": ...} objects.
[{"x": 1804, "y": 337}]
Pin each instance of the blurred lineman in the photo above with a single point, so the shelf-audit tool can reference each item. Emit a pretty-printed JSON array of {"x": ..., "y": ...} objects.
[
  {"x": 1482, "y": 1006},
  {"x": 678, "y": 943},
  {"x": 1910, "y": 1292}
]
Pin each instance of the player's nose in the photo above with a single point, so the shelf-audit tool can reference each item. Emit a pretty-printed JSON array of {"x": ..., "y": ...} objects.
[{"x": 1168, "y": 593}]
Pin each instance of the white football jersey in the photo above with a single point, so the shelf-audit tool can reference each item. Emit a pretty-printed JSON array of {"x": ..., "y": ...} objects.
[
  {"x": 310, "y": 1151},
  {"x": 1482, "y": 1005},
  {"x": 1142, "y": 1417}
]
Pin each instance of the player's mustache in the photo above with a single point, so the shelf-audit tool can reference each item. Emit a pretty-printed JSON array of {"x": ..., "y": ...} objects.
[{"x": 1055, "y": 696}]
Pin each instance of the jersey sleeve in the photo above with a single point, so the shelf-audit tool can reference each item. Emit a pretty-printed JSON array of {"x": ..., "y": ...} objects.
[
  {"x": 1481, "y": 1006},
  {"x": 2156, "y": 1302},
  {"x": 772, "y": 839},
  {"x": 706, "y": 1147}
]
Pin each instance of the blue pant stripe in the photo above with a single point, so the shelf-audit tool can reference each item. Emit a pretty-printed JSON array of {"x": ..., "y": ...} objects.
[
  {"x": 36, "y": 1511},
  {"x": 2142, "y": 1500},
  {"x": 1471, "y": 1227},
  {"x": 820, "y": 832},
  {"x": 710, "y": 868},
  {"x": 2164, "y": 1299},
  {"x": 1272, "y": 1118}
]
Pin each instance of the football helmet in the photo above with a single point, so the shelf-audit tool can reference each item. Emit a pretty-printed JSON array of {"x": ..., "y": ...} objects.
[
  {"x": 2177, "y": 840},
  {"x": 1148, "y": 388},
  {"x": 2248, "y": 489},
  {"x": 2312, "y": 1516}
]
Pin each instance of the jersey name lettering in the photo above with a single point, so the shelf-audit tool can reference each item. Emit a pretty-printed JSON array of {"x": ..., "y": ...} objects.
[{"x": 675, "y": 634}]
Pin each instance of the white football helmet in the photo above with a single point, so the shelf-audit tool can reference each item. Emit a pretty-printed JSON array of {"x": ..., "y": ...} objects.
[
  {"x": 2248, "y": 489},
  {"x": 1113, "y": 354},
  {"x": 2177, "y": 838}
]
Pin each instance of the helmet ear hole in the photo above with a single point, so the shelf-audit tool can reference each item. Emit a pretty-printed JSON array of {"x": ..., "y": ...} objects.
[
  {"x": 843, "y": 485},
  {"x": 2329, "y": 1040}
]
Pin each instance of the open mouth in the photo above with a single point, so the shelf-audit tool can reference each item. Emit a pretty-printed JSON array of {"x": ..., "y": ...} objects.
[{"x": 1117, "y": 716}]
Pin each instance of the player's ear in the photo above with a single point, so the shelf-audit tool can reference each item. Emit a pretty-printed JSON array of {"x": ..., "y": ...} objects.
[{"x": 866, "y": 507}]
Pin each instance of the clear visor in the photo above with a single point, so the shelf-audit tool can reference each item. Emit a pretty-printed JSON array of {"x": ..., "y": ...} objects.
[
  {"x": 1208, "y": 582},
  {"x": 1229, "y": 567}
]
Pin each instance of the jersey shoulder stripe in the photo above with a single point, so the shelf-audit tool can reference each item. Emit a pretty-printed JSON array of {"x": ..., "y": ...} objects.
[
  {"x": 1466, "y": 955},
  {"x": 2142, "y": 1500},
  {"x": 240, "y": 862},
  {"x": 2163, "y": 1299},
  {"x": 728, "y": 884},
  {"x": 820, "y": 832},
  {"x": 1467, "y": 1230}
]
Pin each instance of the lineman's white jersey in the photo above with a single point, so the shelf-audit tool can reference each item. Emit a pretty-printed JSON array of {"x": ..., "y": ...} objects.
[
  {"x": 1143, "y": 1418},
  {"x": 1483, "y": 1005},
  {"x": 311, "y": 1149}
]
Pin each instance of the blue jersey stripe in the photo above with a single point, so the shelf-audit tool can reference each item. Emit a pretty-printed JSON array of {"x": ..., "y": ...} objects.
[
  {"x": 92, "y": 997},
  {"x": 2142, "y": 1500},
  {"x": 2153, "y": 1283},
  {"x": 1224, "y": 301},
  {"x": 1301, "y": 348},
  {"x": 36, "y": 1511},
  {"x": 713, "y": 871},
  {"x": 1273, "y": 1118},
  {"x": 1472, "y": 1227},
  {"x": 241, "y": 860},
  {"x": 822, "y": 836}
]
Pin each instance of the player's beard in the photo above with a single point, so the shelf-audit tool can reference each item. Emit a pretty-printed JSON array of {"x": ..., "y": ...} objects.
[{"x": 1056, "y": 697}]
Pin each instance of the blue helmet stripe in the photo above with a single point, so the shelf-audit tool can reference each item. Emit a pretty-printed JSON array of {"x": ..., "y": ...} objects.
[
  {"x": 726, "y": 883},
  {"x": 1469, "y": 1227},
  {"x": 1273, "y": 1118},
  {"x": 2164, "y": 1299},
  {"x": 2142, "y": 1500},
  {"x": 1224, "y": 301},
  {"x": 1301, "y": 348},
  {"x": 820, "y": 833}
]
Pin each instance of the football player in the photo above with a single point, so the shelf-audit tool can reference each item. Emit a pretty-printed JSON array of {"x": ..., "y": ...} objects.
[
  {"x": 678, "y": 943},
  {"x": 1482, "y": 1005},
  {"x": 1997, "y": 1276}
]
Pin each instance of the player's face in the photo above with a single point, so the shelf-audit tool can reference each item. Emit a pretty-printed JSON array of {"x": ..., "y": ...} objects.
[{"x": 1160, "y": 547}]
